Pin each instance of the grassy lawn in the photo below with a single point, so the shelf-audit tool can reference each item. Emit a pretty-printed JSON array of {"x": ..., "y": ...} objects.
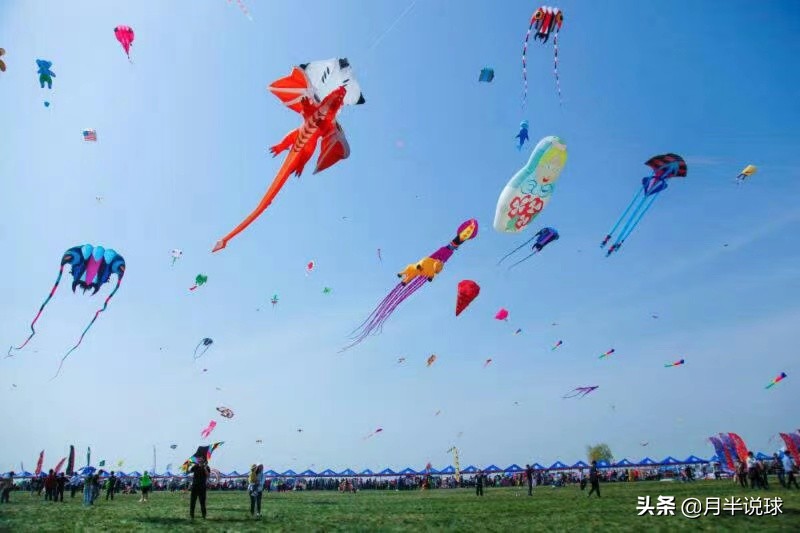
[{"x": 505, "y": 509}]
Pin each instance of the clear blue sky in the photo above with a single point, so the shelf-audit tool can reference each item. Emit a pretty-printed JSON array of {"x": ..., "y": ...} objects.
[{"x": 181, "y": 159}]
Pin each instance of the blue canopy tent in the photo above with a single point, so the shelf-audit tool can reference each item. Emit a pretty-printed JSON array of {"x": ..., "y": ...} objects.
[
  {"x": 432, "y": 471},
  {"x": 167, "y": 474},
  {"x": 271, "y": 473},
  {"x": 327, "y": 473},
  {"x": 580, "y": 464},
  {"x": 387, "y": 472},
  {"x": 514, "y": 469},
  {"x": 347, "y": 472},
  {"x": 602, "y": 463},
  {"x": 449, "y": 470},
  {"x": 308, "y": 473},
  {"x": 366, "y": 472},
  {"x": 558, "y": 465},
  {"x": 537, "y": 466},
  {"x": 121, "y": 474},
  {"x": 669, "y": 461},
  {"x": 471, "y": 469},
  {"x": 134, "y": 474},
  {"x": 289, "y": 473},
  {"x": 694, "y": 460},
  {"x": 762, "y": 456},
  {"x": 623, "y": 463},
  {"x": 24, "y": 474},
  {"x": 408, "y": 471},
  {"x": 646, "y": 462},
  {"x": 236, "y": 474},
  {"x": 491, "y": 469}
]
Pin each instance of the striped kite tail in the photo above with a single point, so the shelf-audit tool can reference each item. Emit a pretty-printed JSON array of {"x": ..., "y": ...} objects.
[
  {"x": 555, "y": 69},
  {"x": 33, "y": 330}
]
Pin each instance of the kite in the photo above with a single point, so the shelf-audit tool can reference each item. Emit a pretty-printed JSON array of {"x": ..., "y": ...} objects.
[
  {"x": 2, "y": 63},
  {"x": 529, "y": 191},
  {"x": 199, "y": 281},
  {"x": 225, "y": 412},
  {"x": 124, "y": 35},
  {"x": 502, "y": 314},
  {"x": 202, "y": 451},
  {"x": 205, "y": 344},
  {"x": 544, "y": 21},
  {"x": 676, "y": 363},
  {"x": 177, "y": 254},
  {"x": 274, "y": 300},
  {"x": 373, "y": 433},
  {"x": 259, "y": 441},
  {"x": 89, "y": 135},
  {"x": 58, "y": 466},
  {"x": 581, "y": 391},
  {"x": 457, "y": 473},
  {"x": 486, "y": 75},
  {"x": 326, "y": 290},
  {"x": 431, "y": 360},
  {"x": 71, "y": 461},
  {"x": 468, "y": 290},
  {"x": 39, "y": 464},
  {"x": 665, "y": 167},
  {"x": 310, "y": 267},
  {"x": 173, "y": 446},
  {"x": 543, "y": 237},
  {"x": 519, "y": 330},
  {"x": 644, "y": 443},
  {"x": 747, "y": 171},
  {"x": 91, "y": 267},
  {"x": 317, "y": 91},
  {"x": 413, "y": 277},
  {"x": 401, "y": 360},
  {"x": 299, "y": 430},
  {"x": 437, "y": 413},
  {"x": 776, "y": 380},
  {"x": 523, "y": 134},
  {"x": 379, "y": 256},
  {"x": 610, "y": 352},
  {"x": 487, "y": 363},
  {"x": 45, "y": 74},
  {"x": 559, "y": 343},
  {"x": 207, "y": 431},
  {"x": 243, "y": 9}
]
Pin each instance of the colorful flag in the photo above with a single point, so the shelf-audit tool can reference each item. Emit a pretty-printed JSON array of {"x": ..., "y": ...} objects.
[
  {"x": 39, "y": 464},
  {"x": 90, "y": 135}
]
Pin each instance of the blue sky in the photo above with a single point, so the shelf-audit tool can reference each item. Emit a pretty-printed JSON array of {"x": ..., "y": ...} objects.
[{"x": 181, "y": 159}]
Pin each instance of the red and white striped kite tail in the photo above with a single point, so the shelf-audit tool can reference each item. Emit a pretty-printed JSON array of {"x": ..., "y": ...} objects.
[
  {"x": 525, "y": 66},
  {"x": 555, "y": 69},
  {"x": 243, "y": 8}
]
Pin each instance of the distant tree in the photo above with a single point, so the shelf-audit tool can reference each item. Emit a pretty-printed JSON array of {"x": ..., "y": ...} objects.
[{"x": 598, "y": 452}]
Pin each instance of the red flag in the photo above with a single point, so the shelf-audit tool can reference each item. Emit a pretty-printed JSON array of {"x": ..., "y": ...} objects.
[
  {"x": 39, "y": 464},
  {"x": 790, "y": 447},
  {"x": 57, "y": 469},
  {"x": 741, "y": 448}
]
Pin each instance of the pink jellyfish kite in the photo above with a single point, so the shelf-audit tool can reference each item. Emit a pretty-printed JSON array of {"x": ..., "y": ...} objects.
[
  {"x": 207, "y": 431},
  {"x": 124, "y": 35}
]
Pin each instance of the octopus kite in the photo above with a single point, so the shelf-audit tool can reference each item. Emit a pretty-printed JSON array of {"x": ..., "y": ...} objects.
[
  {"x": 581, "y": 391},
  {"x": 175, "y": 254},
  {"x": 665, "y": 167},
  {"x": 205, "y": 344},
  {"x": 746, "y": 172},
  {"x": 543, "y": 237},
  {"x": 91, "y": 267},
  {"x": 207, "y": 431},
  {"x": 412, "y": 278},
  {"x": 225, "y": 412},
  {"x": 545, "y": 20},
  {"x": 317, "y": 91}
]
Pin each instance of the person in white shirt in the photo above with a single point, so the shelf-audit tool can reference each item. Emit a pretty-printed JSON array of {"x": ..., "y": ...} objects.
[{"x": 788, "y": 467}]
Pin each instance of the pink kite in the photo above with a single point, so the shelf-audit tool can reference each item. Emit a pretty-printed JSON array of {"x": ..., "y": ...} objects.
[
  {"x": 310, "y": 267},
  {"x": 502, "y": 314},
  {"x": 206, "y": 432},
  {"x": 124, "y": 35}
]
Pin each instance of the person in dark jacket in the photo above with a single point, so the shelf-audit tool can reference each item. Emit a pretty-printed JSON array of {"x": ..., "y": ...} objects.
[
  {"x": 479, "y": 481},
  {"x": 61, "y": 482},
  {"x": 594, "y": 479},
  {"x": 200, "y": 472},
  {"x": 50, "y": 486},
  {"x": 6, "y": 486},
  {"x": 112, "y": 485},
  {"x": 529, "y": 478}
]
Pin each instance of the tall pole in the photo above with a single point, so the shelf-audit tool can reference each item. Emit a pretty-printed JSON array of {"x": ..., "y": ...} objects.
[{"x": 154, "y": 459}]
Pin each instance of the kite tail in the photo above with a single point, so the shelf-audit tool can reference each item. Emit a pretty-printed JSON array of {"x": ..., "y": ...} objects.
[
  {"x": 770, "y": 385},
  {"x": 33, "y": 331},
  {"x": 525, "y": 66},
  {"x": 193, "y": 287},
  {"x": 555, "y": 69},
  {"x": 634, "y": 221},
  {"x": 80, "y": 340},
  {"x": 517, "y": 248},
  {"x": 524, "y": 259},
  {"x": 621, "y": 218}
]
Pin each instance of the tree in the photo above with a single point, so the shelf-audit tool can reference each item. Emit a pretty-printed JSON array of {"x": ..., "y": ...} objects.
[{"x": 599, "y": 452}]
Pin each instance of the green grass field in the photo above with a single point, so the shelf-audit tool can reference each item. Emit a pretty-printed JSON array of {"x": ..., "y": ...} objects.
[{"x": 506, "y": 509}]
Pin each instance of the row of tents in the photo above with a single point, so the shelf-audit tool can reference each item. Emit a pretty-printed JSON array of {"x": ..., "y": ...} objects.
[{"x": 647, "y": 462}]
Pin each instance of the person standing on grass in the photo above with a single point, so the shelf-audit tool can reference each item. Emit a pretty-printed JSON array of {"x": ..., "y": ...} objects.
[
  {"x": 96, "y": 485},
  {"x": 789, "y": 467},
  {"x": 112, "y": 484},
  {"x": 6, "y": 486},
  {"x": 87, "y": 489},
  {"x": 200, "y": 472},
  {"x": 529, "y": 478},
  {"x": 255, "y": 487},
  {"x": 479, "y": 481},
  {"x": 145, "y": 483},
  {"x": 50, "y": 486},
  {"x": 74, "y": 482},
  {"x": 61, "y": 482},
  {"x": 594, "y": 479},
  {"x": 752, "y": 471},
  {"x": 779, "y": 469}
]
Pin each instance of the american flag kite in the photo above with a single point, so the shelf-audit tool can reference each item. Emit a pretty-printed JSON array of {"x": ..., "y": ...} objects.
[{"x": 90, "y": 135}]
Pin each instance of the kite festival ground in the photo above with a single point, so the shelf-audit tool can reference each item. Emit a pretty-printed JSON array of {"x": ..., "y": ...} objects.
[{"x": 501, "y": 509}]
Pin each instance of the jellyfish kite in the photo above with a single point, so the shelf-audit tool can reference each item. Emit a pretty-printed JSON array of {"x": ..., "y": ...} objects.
[
  {"x": 91, "y": 267},
  {"x": 544, "y": 21},
  {"x": 412, "y": 278},
  {"x": 468, "y": 290},
  {"x": 746, "y": 172},
  {"x": 529, "y": 191},
  {"x": 580, "y": 392},
  {"x": 543, "y": 237},
  {"x": 609, "y": 352},
  {"x": 780, "y": 377},
  {"x": 124, "y": 35},
  {"x": 274, "y": 300},
  {"x": 207, "y": 431},
  {"x": 199, "y": 281},
  {"x": 205, "y": 344},
  {"x": 318, "y": 91},
  {"x": 676, "y": 363},
  {"x": 225, "y": 412},
  {"x": 665, "y": 167},
  {"x": 523, "y": 134}
]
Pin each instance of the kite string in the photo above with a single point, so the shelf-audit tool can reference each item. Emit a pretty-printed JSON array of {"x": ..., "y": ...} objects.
[
  {"x": 33, "y": 331},
  {"x": 392, "y": 25},
  {"x": 624, "y": 213},
  {"x": 516, "y": 249},
  {"x": 80, "y": 340}
]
